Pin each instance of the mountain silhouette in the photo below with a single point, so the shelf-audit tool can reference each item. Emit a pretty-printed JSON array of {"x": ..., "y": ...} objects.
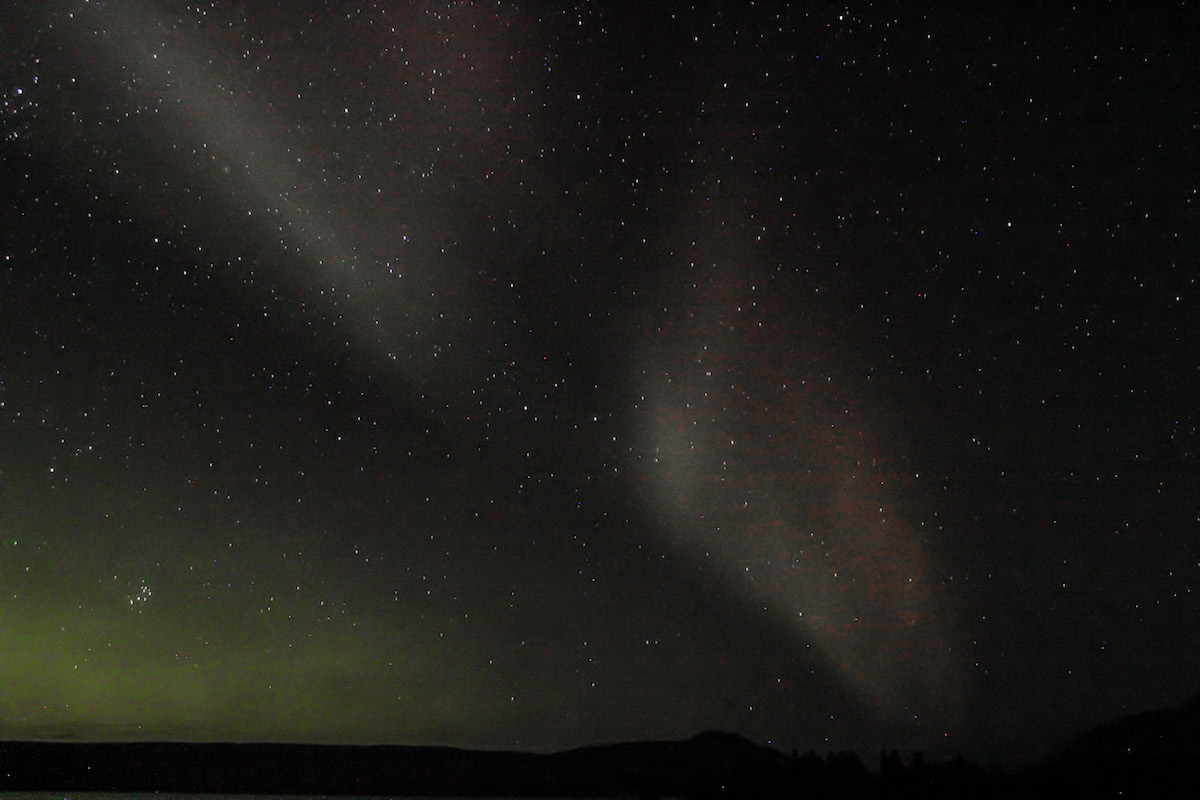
[
  {"x": 1163, "y": 732},
  {"x": 1153, "y": 754},
  {"x": 706, "y": 764}
]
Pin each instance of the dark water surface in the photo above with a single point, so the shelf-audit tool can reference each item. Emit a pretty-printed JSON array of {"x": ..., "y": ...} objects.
[{"x": 189, "y": 796}]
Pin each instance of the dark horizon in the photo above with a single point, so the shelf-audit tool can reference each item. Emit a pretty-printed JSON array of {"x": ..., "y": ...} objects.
[
  {"x": 520, "y": 377},
  {"x": 691, "y": 768},
  {"x": 1151, "y": 755}
]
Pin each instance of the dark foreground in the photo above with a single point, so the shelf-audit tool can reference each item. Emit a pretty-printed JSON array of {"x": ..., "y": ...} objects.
[{"x": 707, "y": 766}]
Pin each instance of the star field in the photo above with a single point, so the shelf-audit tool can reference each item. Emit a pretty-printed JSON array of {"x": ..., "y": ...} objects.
[{"x": 517, "y": 376}]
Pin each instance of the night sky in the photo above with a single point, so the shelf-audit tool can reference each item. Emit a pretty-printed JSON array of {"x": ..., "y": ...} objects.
[{"x": 528, "y": 376}]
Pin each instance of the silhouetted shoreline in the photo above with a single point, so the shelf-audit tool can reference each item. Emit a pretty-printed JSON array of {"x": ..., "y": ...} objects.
[
  {"x": 321, "y": 769},
  {"x": 632, "y": 769},
  {"x": 1148, "y": 755},
  {"x": 711, "y": 765}
]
